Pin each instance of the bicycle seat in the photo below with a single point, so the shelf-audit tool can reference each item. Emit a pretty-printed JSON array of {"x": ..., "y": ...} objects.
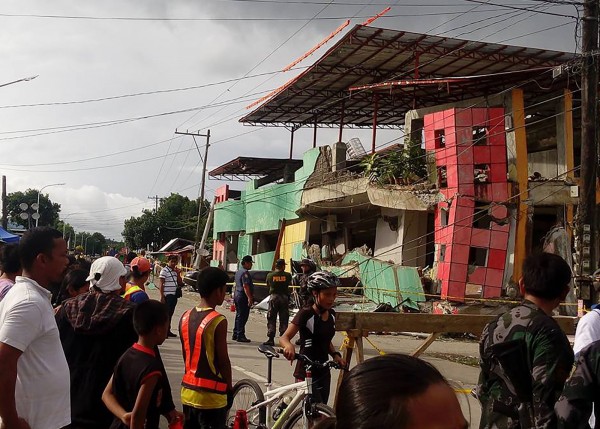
[{"x": 268, "y": 351}]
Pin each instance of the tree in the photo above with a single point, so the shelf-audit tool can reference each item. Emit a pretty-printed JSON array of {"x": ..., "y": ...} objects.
[
  {"x": 96, "y": 244},
  {"x": 175, "y": 218},
  {"x": 48, "y": 210}
]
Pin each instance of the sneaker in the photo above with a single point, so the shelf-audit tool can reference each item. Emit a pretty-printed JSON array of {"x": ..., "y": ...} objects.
[
  {"x": 171, "y": 335},
  {"x": 234, "y": 338},
  {"x": 269, "y": 342},
  {"x": 243, "y": 340}
]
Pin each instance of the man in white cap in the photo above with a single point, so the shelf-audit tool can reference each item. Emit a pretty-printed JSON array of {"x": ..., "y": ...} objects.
[{"x": 95, "y": 330}]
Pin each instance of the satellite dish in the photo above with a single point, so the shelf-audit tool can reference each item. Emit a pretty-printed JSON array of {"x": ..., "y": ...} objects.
[
  {"x": 23, "y": 206},
  {"x": 35, "y": 206},
  {"x": 35, "y": 216},
  {"x": 24, "y": 216}
]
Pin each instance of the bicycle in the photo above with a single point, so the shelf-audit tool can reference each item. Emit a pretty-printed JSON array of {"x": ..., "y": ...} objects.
[{"x": 302, "y": 411}]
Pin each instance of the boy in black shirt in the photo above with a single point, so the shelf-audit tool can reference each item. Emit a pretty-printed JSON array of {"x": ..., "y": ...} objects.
[
  {"x": 316, "y": 325},
  {"x": 134, "y": 393}
]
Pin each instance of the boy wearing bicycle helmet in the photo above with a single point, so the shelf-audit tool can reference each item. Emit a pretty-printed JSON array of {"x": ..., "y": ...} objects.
[{"x": 316, "y": 325}]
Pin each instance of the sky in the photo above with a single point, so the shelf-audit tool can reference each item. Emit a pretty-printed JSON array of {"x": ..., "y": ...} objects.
[{"x": 110, "y": 91}]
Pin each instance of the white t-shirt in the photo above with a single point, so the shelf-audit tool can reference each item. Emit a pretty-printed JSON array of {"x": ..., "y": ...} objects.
[
  {"x": 42, "y": 391},
  {"x": 170, "y": 277},
  {"x": 588, "y": 331}
]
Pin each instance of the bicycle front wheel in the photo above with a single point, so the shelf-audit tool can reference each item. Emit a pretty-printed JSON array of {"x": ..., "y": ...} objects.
[
  {"x": 298, "y": 421},
  {"x": 247, "y": 393}
]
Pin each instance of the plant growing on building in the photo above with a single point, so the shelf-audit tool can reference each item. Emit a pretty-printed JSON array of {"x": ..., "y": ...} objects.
[{"x": 400, "y": 167}]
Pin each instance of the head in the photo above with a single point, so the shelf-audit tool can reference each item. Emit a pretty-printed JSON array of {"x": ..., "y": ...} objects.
[
  {"x": 75, "y": 283},
  {"x": 545, "y": 276},
  {"x": 418, "y": 397},
  {"x": 107, "y": 275},
  {"x": 43, "y": 254},
  {"x": 212, "y": 285},
  {"x": 280, "y": 265},
  {"x": 10, "y": 265},
  {"x": 130, "y": 257},
  {"x": 151, "y": 321},
  {"x": 143, "y": 253},
  {"x": 172, "y": 261},
  {"x": 306, "y": 266},
  {"x": 323, "y": 286},
  {"x": 247, "y": 262},
  {"x": 140, "y": 269}
]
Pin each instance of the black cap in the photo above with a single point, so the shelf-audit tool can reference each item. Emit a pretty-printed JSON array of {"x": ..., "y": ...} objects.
[
  {"x": 247, "y": 258},
  {"x": 280, "y": 263},
  {"x": 306, "y": 261}
]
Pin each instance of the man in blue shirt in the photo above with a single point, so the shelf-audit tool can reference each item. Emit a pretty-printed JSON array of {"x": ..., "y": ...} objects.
[{"x": 243, "y": 298}]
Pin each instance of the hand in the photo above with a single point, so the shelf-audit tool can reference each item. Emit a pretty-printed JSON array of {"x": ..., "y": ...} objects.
[
  {"x": 126, "y": 419},
  {"x": 174, "y": 415},
  {"x": 340, "y": 361},
  {"x": 289, "y": 351},
  {"x": 250, "y": 301},
  {"x": 22, "y": 424}
]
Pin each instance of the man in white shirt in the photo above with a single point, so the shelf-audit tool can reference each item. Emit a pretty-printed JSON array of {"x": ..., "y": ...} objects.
[
  {"x": 169, "y": 279},
  {"x": 34, "y": 393}
]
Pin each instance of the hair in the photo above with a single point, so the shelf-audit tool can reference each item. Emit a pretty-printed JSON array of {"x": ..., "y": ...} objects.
[
  {"x": 172, "y": 257},
  {"x": 377, "y": 392},
  {"x": 76, "y": 279},
  {"x": 137, "y": 274},
  {"x": 143, "y": 252},
  {"x": 130, "y": 257},
  {"x": 546, "y": 275},
  {"x": 9, "y": 259},
  {"x": 210, "y": 279},
  {"x": 148, "y": 315},
  {"x": 36, "y": 241}
]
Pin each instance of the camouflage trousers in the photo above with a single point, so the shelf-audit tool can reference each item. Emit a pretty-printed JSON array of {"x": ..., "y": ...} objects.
[{"x": 278, "y": 306}]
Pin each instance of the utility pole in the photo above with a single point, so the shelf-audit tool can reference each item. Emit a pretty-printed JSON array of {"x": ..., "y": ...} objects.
[
  {"x": 204, "y": 158},
  {"x": 586, "y": 209},
  {"x": 156, "y": 198},
  {"x": 4, "y": 201}
]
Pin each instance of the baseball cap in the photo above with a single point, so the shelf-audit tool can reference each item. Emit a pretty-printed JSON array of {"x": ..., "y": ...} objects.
[
  {"x": 105, "y": 273},
  {"x": 142, "y": 264},
  {"x": 306, "y": 261},
  {"x": 247, "y": 258},
  {"x": 280, "y": 263}
]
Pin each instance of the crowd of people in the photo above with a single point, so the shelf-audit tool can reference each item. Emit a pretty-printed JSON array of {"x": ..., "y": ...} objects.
[{"x": 92, "y": 360}]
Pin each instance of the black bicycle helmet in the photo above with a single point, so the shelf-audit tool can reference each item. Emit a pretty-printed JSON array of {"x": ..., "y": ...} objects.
[{"x": 322, "y": 280}]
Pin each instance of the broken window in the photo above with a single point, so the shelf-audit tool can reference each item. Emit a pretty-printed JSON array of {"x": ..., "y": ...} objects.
[
  {"x": 480, "y": 136},
  {"x": 481, "y": 173},
  {"x": 481, "y": 217},
  {"x": 442, "y": 252},
  {"x": 440, "y": 138},
  {"x": 478, "y": 256},
  {"x": 442, "y": 177}
]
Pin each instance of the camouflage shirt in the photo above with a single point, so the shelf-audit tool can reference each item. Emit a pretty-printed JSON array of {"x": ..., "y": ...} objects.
[
  {"x": 582, "y": 391},
  {"x": 550, "y": 359}
]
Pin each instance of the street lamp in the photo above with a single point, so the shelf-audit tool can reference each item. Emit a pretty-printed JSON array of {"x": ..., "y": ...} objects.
[{"x": 37, "y": 221}]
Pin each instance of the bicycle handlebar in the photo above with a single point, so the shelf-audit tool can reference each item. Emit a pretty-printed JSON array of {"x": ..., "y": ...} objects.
[{"x": 272, "y": 352}]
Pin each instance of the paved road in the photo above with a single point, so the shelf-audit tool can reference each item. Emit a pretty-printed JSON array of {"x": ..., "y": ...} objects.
[{"x": 247, "y": 362}]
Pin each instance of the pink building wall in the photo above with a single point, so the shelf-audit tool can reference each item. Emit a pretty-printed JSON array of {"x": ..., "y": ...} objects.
[{"x": 475, "y": 172}]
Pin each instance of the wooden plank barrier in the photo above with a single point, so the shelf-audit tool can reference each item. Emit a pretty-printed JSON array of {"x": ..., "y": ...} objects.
[{"x": 358, "y": 325}]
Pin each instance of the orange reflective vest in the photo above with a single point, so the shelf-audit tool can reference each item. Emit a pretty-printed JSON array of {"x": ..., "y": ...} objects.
[{"x": 198, "y": 375}]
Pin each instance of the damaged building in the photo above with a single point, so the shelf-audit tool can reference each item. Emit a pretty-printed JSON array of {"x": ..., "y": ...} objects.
[{"x": 485, "y": 174}]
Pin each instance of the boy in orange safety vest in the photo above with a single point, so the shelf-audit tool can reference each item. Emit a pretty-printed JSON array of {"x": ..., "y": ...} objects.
[{"x": 206, "y": 381}]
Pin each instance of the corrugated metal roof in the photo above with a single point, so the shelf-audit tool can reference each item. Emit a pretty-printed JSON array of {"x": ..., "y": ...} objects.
[{"x": 368, "y": 55}]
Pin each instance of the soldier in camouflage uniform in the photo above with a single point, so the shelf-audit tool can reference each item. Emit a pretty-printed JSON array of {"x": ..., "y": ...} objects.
[
  {"x": 582, "y": 391},
  {"x": 547, "y": 355}
]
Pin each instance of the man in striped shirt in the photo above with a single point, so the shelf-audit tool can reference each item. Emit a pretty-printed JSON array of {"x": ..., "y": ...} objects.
[{"x": 168, "y": 287}]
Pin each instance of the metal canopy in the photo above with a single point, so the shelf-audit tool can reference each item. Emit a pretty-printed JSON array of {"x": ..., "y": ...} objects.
[
  {"x": 244, "y": 168},
  {"x": 367, "y": 55}
]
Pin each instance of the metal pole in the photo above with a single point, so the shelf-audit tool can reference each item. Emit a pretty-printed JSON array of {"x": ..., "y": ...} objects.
[
  {"x": 376, "y": 107},
  {"x": 201, "y": 201},
  {"x": 342, "y": 120},
  {"x": 586, "y": 209},
  {"x": 315, "y": 134},
  {"x": 292, "y": 143}
]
